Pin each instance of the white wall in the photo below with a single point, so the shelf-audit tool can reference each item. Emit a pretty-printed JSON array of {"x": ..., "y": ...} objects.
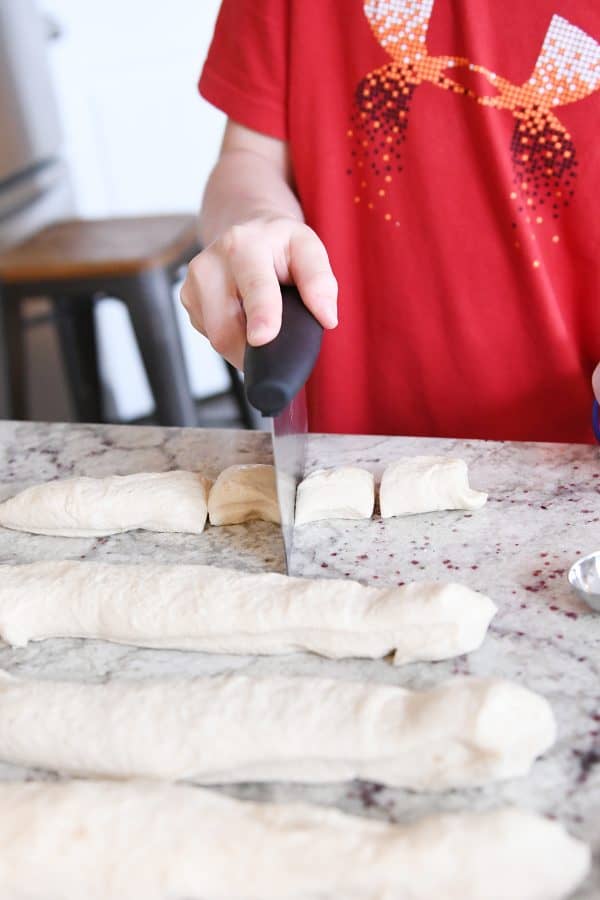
[
  {"x": 138, "y": 135},
  {"x": 138, "y": 139}
]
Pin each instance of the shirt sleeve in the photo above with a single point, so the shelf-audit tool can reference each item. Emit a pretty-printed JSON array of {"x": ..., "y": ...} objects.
[{"x": 245, "y": 73}]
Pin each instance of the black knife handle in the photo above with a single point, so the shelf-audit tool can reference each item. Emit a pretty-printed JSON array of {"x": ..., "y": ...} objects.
[{"x": 275, "y": 372}]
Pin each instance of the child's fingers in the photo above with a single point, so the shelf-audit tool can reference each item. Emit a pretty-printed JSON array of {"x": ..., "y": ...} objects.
[
  {"x": 312, "y": 274},
  {"x": 232, "y": 293},
  {"x": 596, "y": 382},
  {"x": 253, "y": 271},
  {"x": 209, "y": 298}
]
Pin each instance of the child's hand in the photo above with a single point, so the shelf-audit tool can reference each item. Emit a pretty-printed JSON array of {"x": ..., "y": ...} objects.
[
  {"x": 232, "y": 292},
  {"x": 596, "y": 382}
]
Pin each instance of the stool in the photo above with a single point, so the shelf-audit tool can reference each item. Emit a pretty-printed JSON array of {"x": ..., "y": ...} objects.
[{"x": 75, "y": 262}]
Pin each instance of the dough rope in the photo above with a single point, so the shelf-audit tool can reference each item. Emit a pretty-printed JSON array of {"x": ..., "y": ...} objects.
[
  {"x": 420, "y": 484},
  {"x": 234, "y": 728},
  {"x": 346, "y": 492},
  {"x": 94, "y": 507},
  {"x": 243, "y": 494},
  {"x": 224, "y": 611},
  {"x": 108, "y": 841}
]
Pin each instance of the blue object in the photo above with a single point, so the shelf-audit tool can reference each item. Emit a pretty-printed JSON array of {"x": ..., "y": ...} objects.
[{"x": 596, "y": 420}]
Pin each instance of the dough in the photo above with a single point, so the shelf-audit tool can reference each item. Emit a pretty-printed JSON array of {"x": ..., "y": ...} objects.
[
  {"x": 244, "y": 493},
  {"x": 93, "y": 507},
  {"x": 418, "y": 484},
  {"x": 235, "y": 728},
  {"x": 344, "y": 493},
  {"x": 107, "y": 841},
  {"x": 223, "y": 611}
]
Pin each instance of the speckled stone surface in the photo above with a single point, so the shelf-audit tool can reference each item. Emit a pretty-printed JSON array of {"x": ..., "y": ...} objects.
[{"x": 543, "y": 512}]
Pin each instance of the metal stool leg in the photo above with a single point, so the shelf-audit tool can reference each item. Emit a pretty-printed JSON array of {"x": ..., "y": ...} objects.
[
  {"x": 13, "y": 353},
  {"x": 150, "y": 303},
  {"x": 74, "y": 320}
]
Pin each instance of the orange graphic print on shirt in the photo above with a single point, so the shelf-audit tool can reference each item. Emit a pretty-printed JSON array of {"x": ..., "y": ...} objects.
[{"x": 542, "y": 150}]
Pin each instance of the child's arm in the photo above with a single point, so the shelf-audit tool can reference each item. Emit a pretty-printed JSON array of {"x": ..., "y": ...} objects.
[{"x": 255, "y": 237}]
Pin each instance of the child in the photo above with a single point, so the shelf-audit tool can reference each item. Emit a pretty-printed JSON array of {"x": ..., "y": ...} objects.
[{"x": 441, "y": 157}]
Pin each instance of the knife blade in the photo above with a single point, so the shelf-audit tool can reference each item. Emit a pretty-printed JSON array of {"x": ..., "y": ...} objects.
[{"x": 274, "y": 379}]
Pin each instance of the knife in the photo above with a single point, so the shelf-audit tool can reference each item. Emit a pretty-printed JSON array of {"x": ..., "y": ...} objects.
[{"x": 274, "y": 379}]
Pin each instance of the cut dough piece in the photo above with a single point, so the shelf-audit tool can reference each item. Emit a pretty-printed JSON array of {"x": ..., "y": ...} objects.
[
  {"x": 223, "y": 611},
  {"x": 242, "y": 494},
  {"x": 234, "y": 728},
  {"x": 344, "y": 493},
  {"x": 107, "y": 841},
  {"x": 93, "y": 507},
  {"x": 419, "y": 484}
]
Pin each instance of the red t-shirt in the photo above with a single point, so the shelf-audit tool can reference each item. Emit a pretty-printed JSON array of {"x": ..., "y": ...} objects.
[{"x": 447, "y": 152}]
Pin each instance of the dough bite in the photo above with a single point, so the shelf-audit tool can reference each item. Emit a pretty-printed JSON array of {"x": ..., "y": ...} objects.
[
  {"x": 93, "y": 507},
  {"x": 225, "y": 611},
  {"x": 106, "y": 841},
  {"x": 234, "y": 728},
  {"x": 419, "y": 484},
  {"x": 343, "y": 493},
  {"x": 242, "y": 494}
]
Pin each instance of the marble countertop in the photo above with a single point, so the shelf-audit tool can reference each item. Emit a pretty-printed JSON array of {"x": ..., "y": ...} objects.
[{"x": 543, "y": 512}]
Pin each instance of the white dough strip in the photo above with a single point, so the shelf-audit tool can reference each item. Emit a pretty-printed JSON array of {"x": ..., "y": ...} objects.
[
  {"x": 107, "y": 841},
  {"x": 93, "y": 507},
  {"x": 420, "y": 484},
  {"x": 234, "y": 728},
  {"x": 224, "y": 611},
  {"x": 244, "y": 493}
]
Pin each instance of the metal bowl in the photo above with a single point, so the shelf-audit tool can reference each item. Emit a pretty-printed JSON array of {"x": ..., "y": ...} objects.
[{"x": 584, "y": 578}]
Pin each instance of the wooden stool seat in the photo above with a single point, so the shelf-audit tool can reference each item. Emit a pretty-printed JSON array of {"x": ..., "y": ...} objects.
[
  {"x": 82, "y": 248},
  {"x": 73, "y": 263}
]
